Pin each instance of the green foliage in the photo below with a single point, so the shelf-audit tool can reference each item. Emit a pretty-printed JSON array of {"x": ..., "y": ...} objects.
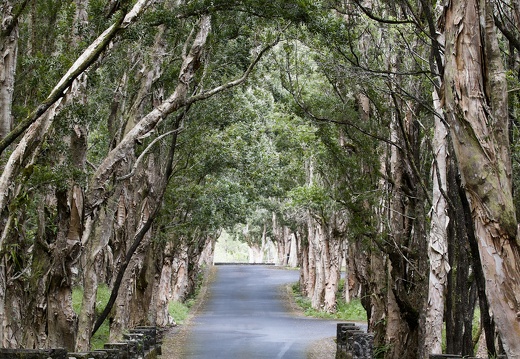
[{"x": 293, "y": 10}]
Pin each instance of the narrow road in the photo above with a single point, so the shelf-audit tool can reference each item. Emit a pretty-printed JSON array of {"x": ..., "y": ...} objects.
[{"x": 245, "y": 316}]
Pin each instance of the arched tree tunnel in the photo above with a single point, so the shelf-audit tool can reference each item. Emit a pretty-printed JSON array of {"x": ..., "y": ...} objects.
[{"x": 375, "y": 136}]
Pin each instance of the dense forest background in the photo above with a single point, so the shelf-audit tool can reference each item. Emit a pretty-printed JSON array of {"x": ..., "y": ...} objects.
[{"x": 378, "y": 134}]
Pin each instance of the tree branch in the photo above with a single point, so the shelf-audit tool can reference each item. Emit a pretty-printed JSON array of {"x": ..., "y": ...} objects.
[
  {"x": 14, "y": 20},
  {"x": 510, "y": 36},
  {"x": 371, "y": 15},
  {"x": 146, "y": 150},
  {"x": 206, "y": 94}
]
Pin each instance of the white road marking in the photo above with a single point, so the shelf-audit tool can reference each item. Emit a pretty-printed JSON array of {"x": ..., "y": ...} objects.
[{"x": 284, "y": 350}]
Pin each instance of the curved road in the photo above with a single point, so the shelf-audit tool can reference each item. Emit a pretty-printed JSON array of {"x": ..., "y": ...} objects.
[{"x": 244, "y": 316}]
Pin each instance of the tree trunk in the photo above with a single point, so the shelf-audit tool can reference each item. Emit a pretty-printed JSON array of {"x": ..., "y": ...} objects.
[
  {"x": 131, "y": 307},
  {"x": 475, "y": 98},
  {"x": 8, "y": 58},
  {"x": 333, "y": 256},
  {"x": 164, "y": 290},
  {"x": 96, "y": 241},
  {"x": 255, "y": 253},
  {"x": 293, "y": 251},
  {"x": 318, "y": 242},
  {"x": 438, "y": 241},
  {"x": 304, "y": 267},
  {"x": 311, "y": 255},
  {"x": 180, "y": 274}
]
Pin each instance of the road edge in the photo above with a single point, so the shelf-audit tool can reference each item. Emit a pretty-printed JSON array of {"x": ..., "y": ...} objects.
[{"x": 174, "y": 338}]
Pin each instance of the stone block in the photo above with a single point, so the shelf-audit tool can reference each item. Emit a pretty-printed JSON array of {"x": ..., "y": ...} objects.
[
  {"x": 33, "y": 353},
  {"x": 121, "y": 347}
]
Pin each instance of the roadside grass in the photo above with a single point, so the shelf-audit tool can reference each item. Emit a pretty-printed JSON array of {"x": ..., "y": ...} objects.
[
  {"x": 180, "y": 311},
  {"x": 103, "y": 294},
  {"x": 352, "y": 310}
]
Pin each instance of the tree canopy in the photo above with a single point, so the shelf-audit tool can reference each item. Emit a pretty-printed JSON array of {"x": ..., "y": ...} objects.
[{"x": 374, "y": 136}]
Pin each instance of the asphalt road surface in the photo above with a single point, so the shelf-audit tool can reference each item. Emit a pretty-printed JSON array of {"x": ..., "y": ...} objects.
[{"x": 245, "y": 316}]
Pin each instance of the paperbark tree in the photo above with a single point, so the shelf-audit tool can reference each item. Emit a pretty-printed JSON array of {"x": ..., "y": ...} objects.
[
  {"x": 475, "y": 100},
  {"x": 438, "y": 244},
  {"x": 8, "y": 59}
]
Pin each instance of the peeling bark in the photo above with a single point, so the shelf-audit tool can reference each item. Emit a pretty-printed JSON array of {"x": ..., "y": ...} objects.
[
  {"x": 178, "y": 99},
  {"x": 475, "y": 98},
  {"x": 438, "y": 241},
  {"x": 8, "y": 58},
  {"x": 164, "y": 291}
]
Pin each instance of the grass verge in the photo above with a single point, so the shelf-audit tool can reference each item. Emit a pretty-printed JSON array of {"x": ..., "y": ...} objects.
[
  {"x": 352, "y": 310},
  {"x": 103, "y": 294}
]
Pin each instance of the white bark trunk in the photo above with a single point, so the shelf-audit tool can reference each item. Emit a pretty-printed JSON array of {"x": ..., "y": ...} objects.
[
  {"x": 438, "y": 240},
  {"x": 264, "y": 249},
  {"x": 164, "y": 318},
  {"x": 206, "y": 257},
  {"x": 332, "y": 272},
  {"x": 346, "y": 289},
  {"x": 316, "y": 242},
  {"x": 255, "y": 253},
  {"x": 8, "y": 58},
  {"x": 180, "y": 275},
  {"x": 293, "y": 252}
]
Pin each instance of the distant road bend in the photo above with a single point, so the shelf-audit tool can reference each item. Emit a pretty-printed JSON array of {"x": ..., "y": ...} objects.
[{"x": 244, "y": 316}]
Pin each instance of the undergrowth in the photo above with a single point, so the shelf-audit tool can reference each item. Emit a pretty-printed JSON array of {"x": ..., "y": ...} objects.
[
  {"x": 180, "y": 310},
  {"x": 352, "y": 310},
  {"x": 103, "y": 294}
]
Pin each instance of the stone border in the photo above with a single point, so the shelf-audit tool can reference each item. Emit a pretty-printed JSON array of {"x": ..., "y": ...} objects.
[
  {"x": 353, "y": 343},
  {"x": 138, "y": 343}
]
